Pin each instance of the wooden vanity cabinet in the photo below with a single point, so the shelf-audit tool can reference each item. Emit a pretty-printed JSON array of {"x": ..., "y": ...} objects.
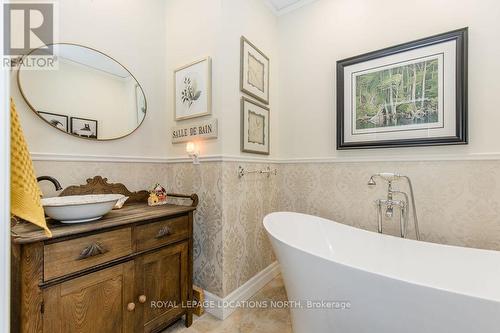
[
  {"x": 163, "y": 279},
  {"x": 96, "y": 302},
  {"x": 137, "y": 278}
]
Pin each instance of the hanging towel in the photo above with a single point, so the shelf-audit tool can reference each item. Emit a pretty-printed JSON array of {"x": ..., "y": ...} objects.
[{"x": 24, "y": 191}]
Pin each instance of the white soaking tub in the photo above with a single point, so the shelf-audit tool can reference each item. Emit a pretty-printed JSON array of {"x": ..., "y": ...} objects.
[{"x": 373, "y": 283}]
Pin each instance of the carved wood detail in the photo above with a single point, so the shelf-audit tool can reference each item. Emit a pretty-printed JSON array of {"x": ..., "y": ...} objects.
[{"x": 100, "y": 185}]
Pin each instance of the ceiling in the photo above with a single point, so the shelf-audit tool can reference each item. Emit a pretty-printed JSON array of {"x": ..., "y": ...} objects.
[
  {"x": 284, "y": 6},
  {"x": 281, "y": 4}
]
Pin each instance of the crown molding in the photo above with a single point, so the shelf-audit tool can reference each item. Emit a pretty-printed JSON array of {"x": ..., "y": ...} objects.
[{"x": 287, "y": 9}]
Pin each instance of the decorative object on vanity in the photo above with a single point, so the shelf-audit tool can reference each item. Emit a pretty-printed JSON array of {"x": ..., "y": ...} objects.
[
  {"x": 254, "y": 71},
  {"x": 193, "y": 89},
  {"x": 255, "y": 132},
  {"x": 59, "y": 121},
  {"x": 199, "y": 131},
  {"x": 87, "y": 84},
  {"x": 157, "y": 196},
  {"x": 80, "y": 208},
  {"x": 267, "y": 171},
  {"x": 132, "y": 255},
  {"x": 413, "y": 94},
  {"x": 86, "y": 128}
]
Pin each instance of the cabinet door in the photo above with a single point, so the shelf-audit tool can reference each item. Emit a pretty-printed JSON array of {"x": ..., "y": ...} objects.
[
  {"x": 162, "y": 284},
  {"x": 98, "y": 302}
]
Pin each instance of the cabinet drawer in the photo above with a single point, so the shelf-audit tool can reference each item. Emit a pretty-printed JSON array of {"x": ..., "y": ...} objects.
[
  {"x": 77, "y": 254},
  {"x": 153, "y": 235}
]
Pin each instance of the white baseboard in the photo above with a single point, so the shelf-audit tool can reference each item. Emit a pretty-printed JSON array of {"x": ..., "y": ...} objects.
[{"x": 222, "y": 308}]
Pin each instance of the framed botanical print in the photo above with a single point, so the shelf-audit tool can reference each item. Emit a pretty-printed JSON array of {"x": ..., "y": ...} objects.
[
  {"x": 413, "y": 94},
  {"x": 59, "y": 121},
  {"x": 193, "y": 89},
  {"x": 254, "y": 127},
  {"x": 254, "y": 76}
]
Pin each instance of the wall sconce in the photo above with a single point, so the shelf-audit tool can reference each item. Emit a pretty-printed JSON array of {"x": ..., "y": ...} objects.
[{"x": 193, "y": 152}]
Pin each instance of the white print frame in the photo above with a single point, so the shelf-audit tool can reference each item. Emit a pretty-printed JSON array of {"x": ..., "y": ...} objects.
[
  {"x": 254, "y": 72},
  {"x": 193, "y": 89},
  {"x": 255, "y": 131}
]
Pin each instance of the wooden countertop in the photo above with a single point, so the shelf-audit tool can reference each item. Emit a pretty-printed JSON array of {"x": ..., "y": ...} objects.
[{"x": 25, "y": 233}]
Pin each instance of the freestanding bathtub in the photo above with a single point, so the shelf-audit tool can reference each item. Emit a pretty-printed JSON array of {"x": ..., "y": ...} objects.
[{"x": 341, "y": 279}]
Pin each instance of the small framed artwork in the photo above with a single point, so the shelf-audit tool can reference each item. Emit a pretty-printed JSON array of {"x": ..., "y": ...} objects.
[
  {"x": 413, "y": 94},
  {"x": 193, "y": 89},
  {"x": 255, "y": 131},
  {"x": 86, "y": 128},
  {"x": 58, "y": 121},
  {"x": 254, "y": 75}
]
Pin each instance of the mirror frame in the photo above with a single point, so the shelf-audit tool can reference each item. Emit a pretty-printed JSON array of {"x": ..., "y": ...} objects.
[{"x": 69, "y": 133}]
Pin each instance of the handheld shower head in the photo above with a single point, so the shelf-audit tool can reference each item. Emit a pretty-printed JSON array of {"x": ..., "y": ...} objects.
[{"x": 387, "y": 176}]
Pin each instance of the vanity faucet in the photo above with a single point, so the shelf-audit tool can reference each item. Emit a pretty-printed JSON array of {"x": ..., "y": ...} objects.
[{"x": 54, "y": 181}]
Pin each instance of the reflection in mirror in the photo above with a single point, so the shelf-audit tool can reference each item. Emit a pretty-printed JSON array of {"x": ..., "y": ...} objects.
[{"x": 88, "y": 94}]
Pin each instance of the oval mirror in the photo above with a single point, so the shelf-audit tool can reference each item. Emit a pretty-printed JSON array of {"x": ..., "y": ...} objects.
[{"x": 87, "y": 94}]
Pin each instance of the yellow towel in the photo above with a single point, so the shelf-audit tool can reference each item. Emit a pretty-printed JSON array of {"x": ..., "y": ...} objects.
[{"x": 24, "y": 191}]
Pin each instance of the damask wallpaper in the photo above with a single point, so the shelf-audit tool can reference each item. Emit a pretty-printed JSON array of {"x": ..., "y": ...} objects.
[
  {"x": 230, "y": 245},
  {"x": 458, "y": 203}
]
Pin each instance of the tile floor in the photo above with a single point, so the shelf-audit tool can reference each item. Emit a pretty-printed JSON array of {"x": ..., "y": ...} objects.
[{"x": 245, "y": 320}]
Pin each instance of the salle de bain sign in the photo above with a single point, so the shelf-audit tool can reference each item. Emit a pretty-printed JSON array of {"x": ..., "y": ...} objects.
[{"x": 202, "y": 130}]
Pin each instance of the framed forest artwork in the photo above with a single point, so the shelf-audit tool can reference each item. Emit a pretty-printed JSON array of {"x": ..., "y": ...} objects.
[{"x": 411, "y": 94}]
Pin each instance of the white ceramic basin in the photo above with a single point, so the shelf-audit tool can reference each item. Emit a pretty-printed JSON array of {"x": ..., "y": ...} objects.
[{"x": 80, "y": 208}]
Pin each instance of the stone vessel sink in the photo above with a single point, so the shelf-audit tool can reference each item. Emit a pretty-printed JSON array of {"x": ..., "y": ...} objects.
[{"x": 80, "y": 208}]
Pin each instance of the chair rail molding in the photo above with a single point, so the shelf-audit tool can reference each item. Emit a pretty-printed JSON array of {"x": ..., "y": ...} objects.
[{"x": 347, "y": 158}]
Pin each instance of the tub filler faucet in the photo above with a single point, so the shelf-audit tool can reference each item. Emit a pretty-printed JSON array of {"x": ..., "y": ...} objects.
[{"x": 387, "y": 206}]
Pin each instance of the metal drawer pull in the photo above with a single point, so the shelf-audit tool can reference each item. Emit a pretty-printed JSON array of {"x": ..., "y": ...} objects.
[
  {"x": 92, "y": 250},
  {"x": 163, "y": 232}
]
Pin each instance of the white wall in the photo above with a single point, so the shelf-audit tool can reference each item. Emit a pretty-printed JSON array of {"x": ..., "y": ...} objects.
[
  {"x": 193, "y": 29},
  {"x": 132, "y": 32},
  {"x": 152, "y": 39},
  {"x": 314, "y": 37},
  {"x": 254, "y": 20},
  {"x": 200, "y": 28}
]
